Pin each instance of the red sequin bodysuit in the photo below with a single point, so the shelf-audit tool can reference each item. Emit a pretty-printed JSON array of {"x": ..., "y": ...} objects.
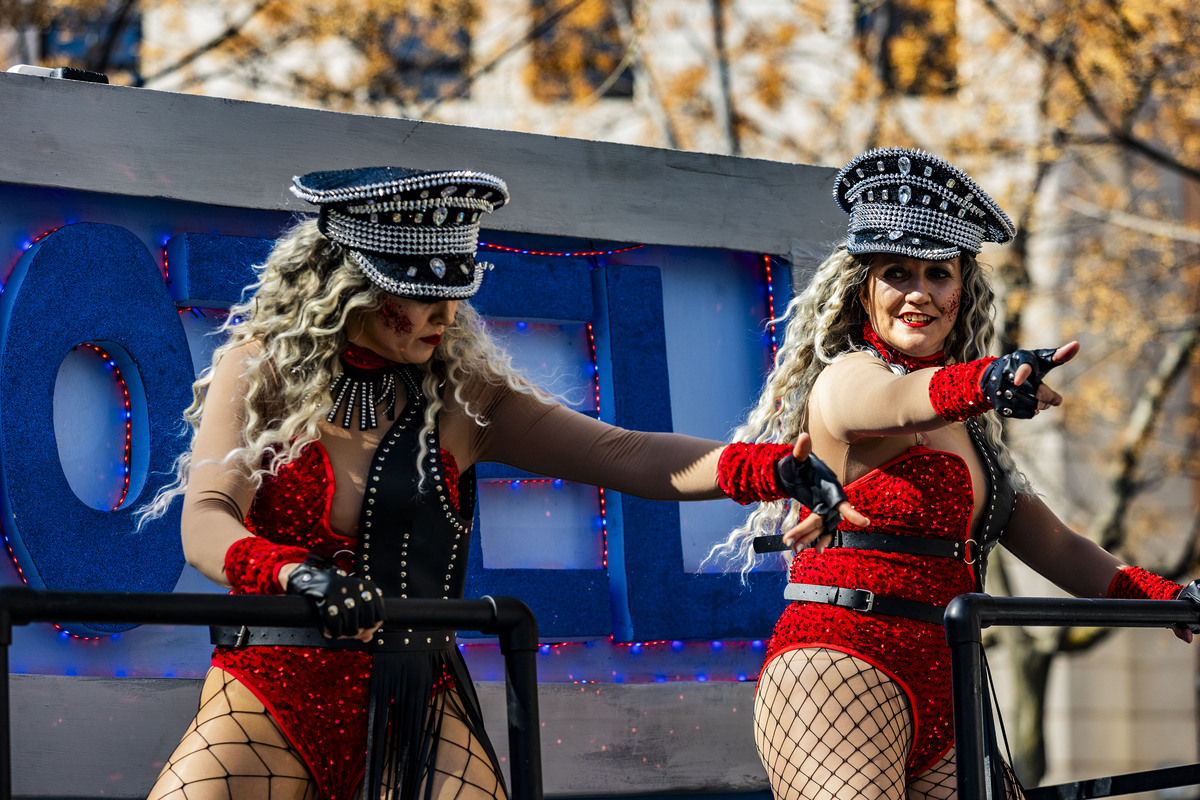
[
  {"x": 319, "y": 697},
  {"x": 921, "y": 492}
]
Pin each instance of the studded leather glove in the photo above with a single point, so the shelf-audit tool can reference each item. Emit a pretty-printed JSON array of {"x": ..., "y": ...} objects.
[
  {"x": 1006, "y": 397},
  {"x": 1191, "y": 593},
  {"x": 812, "y": 484},
  {"x": 345, "y": 604}
]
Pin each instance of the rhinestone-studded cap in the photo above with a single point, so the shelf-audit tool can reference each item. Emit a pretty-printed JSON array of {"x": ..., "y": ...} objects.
[
  {"x": 414, "y": 233},
  {"x": 913, "y": 203}
]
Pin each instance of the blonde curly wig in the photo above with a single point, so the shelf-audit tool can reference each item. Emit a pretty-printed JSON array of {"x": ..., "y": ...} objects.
[
  {"x": 296, "y": 313},
  {"x": 825, "y": 322}
]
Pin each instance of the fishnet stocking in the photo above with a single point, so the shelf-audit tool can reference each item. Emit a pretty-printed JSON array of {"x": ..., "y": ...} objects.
[
  {"x": 940, "y": 782},
  {"x": 830, "y": 726},
  {"x": 462, "y": 768},
  {"x": 233, "y": 750}
]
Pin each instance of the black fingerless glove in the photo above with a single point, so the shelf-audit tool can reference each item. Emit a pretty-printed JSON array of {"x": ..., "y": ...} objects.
[
  {"x": 1006, "y": 397},
  {"x": 345, "y": 604},
  {"x": 1191, "y": 593},
  {"x": 812, "y": 484}
]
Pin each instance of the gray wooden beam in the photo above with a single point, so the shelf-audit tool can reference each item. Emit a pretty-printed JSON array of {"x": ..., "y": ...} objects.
[{"x": 146, "y": 143}]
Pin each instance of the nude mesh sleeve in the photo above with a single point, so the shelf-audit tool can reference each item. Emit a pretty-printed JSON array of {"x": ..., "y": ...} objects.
[
  {"x": 858, "y": 396},
  {"x": 217, "y": 496},
  {"x": 550, "y": 439}
]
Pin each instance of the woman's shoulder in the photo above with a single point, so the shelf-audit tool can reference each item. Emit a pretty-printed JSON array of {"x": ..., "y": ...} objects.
[
  {"x": 852, "y": 361},
  {"x": 242, "y": 363}
]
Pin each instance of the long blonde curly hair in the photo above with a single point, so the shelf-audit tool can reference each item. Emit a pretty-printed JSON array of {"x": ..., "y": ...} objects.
[
  {"x": 296, "y": 314},
  {"x": 825, "y": 322}
]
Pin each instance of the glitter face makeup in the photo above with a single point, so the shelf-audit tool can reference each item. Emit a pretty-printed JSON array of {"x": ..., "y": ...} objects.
[
  {"x": 952, "y": 306},
  {"x": 403, "y": 329},
  {"x": 395, "y": 318}
]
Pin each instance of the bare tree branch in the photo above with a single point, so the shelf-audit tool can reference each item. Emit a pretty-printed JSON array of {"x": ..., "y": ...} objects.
[
  {"x": 535, "y": 31},
  {"x": 231, "y": 30},
  {"x": 643, "y": 74},
  {"x": 1142, "y": 419},
  {"x": 724, "y": 80},
  {"x": 1119, "y": 132},
  {"x": 1136, "y": 222}
]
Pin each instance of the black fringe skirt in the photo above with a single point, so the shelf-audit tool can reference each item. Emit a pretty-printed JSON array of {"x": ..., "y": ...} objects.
[{"x": 412, "y": 692}]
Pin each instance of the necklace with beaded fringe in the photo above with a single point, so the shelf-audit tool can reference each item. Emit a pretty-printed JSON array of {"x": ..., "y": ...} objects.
[{"x": 366, "y": 382}]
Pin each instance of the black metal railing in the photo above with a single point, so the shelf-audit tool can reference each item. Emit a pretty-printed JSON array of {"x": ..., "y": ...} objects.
[
  {"x": 966, "y": 617},
  {"x": 507, "y": 618}
]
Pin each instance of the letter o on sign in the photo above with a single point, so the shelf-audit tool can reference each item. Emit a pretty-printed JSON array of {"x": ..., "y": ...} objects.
[{"x": 85, "y": 283}]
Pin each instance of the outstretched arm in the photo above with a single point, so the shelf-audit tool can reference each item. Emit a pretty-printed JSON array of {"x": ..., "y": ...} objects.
[
  {"x": 859, "y": 397},
  {"x": 1072, "y": 562},
  {"x": 1080, "y": 566},
  {"x": 552, "y": 440},
  {"x": 218, "y": 495}
]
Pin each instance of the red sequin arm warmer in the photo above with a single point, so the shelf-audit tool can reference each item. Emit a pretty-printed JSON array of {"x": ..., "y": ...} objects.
[
  {"x": 252, "y": 564},
  {"x": 955, "y": 392},
  {"x": 746, "y": 472},
  {"x": 1135, "y": 583}
]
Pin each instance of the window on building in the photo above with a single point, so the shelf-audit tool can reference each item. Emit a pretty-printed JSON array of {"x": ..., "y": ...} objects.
[
  {"x": 425, "y": 52},
  {"x": 913, "y": 43},
  {"x": 101, "y": 37},
  {"x": 578, "y": 50}
]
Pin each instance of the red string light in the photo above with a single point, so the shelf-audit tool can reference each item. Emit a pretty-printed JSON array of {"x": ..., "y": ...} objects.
[
  {"x": 128, "y": 456},
  {"x": 770, "y": 305},
  {"x": 563, "y": 255},
  {"x": 600, "y": 489}
]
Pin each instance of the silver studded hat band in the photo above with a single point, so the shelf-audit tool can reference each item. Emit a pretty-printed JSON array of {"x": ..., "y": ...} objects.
[
  {"x": 413, "y": 233},
  {"x": 913, "y": 203}
]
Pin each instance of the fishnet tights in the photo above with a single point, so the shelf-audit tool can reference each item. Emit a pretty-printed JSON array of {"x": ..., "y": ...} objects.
[
  {"x": 939, "y": 782},
  {"x": 233, "y": 750},
  {"x": 829, "y": 726},
  {"x": 462, "y": 769}
]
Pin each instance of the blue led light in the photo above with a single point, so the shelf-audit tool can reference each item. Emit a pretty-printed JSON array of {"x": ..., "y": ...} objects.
[
  {"x": 636, "y": 649},
  {"x": 676, "y": 645},
  {"x": 701, "y": 677},
  {"x": 741, "y": 676},
  {"x": 718, "y": 645}
]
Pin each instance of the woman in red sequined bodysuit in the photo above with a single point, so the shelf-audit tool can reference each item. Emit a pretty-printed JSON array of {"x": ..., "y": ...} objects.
[
  {"x": 885, "y": 366},
  {"x": 333, "y": 458}
]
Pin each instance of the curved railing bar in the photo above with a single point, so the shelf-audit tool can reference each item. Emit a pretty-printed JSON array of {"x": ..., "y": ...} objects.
[
  {"x": 968, "y": 614},
  {"x": 505, "y": 617}
]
